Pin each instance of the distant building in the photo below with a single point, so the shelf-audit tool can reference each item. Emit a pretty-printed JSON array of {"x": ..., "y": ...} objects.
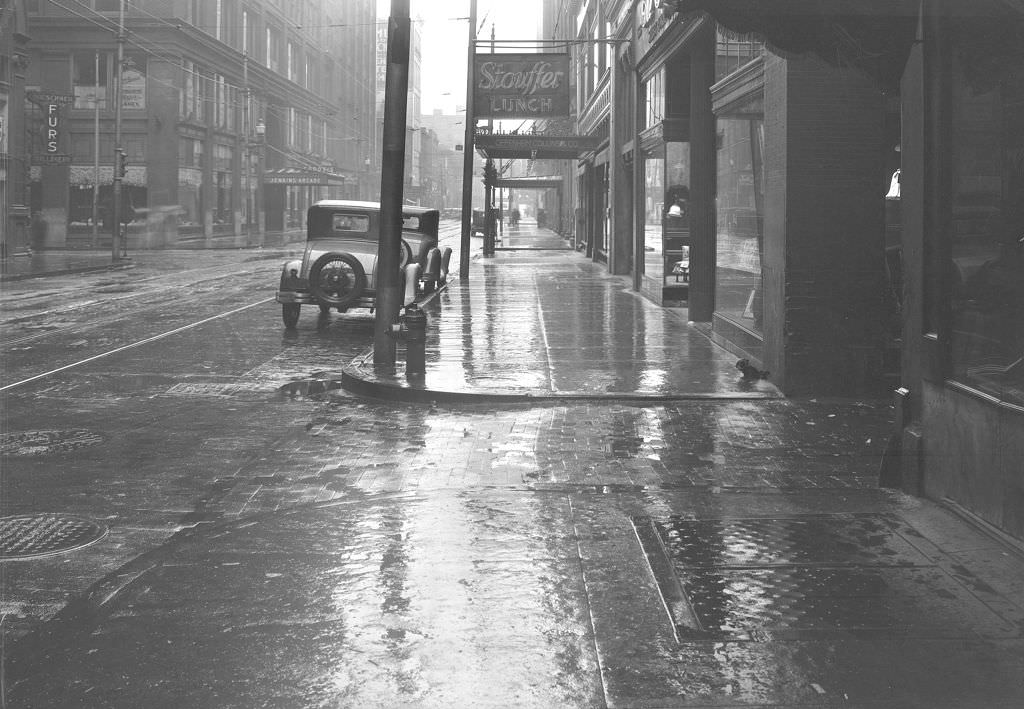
[
  {"x": 235, "y": 116},
  {"x": 413, "y": 146},
  {"x": 450, "y": 133}
]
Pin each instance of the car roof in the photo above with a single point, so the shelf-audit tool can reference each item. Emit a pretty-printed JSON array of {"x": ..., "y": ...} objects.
[{"x": 357, "y": 204}]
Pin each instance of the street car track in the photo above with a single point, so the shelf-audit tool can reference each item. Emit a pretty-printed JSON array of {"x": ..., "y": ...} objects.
[
  {"x": 153, "y": 286},
  {"x": 133, "y": 345}
]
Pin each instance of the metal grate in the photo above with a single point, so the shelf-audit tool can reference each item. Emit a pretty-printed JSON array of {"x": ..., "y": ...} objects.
[
  {"x": 29, "y": 536},
  {"x": 790, "y": 577}
]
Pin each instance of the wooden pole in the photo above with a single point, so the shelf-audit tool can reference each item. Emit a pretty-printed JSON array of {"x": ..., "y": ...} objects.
[{"x": 388, "y": 284}]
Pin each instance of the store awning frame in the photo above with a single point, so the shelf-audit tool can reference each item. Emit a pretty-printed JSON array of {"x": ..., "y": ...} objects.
[
  {"x": 530, "y": 183},
  {"x": 530, "y": 146}
]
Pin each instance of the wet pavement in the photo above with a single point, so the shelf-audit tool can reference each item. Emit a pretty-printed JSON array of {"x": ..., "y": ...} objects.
[
  {"x": 538, "y": 320},
  {"x": 638, "y": 528}
]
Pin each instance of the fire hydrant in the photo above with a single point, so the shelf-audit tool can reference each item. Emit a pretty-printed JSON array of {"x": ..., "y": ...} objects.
[{"x": 413, "y": 330}]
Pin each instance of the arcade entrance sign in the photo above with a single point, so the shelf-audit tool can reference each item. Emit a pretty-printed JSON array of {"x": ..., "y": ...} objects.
[
  {"x": 520, "y": 85},
  {"x": 535, "y": 147}
]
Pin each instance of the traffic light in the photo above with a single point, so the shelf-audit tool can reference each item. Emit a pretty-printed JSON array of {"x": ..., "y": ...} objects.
[
  {"x": 122, "y": 163},
  {"x": 490, "y": 173}
]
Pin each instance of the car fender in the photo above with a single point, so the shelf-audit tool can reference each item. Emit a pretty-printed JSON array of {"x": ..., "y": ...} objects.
[{"x": 292, "y": 277}]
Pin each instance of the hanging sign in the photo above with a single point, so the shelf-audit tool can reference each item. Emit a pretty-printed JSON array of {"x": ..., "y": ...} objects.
[{"x": 520, "y": 85}]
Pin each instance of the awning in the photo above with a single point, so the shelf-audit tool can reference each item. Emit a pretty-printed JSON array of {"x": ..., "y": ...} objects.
[
  {"x": 297, "y": 177},
  {"x": 874, "y": 36},
  {"x": 530, "y": 146}
]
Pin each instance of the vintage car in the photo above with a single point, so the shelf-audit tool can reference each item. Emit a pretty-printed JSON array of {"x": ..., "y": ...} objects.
[{"x": 339, "y": 267}]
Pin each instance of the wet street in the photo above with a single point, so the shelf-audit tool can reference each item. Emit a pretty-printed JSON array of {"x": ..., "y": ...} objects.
[{"x": 638, "y": 529}]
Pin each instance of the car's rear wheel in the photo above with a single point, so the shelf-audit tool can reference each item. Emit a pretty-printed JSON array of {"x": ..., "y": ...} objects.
[
  {"x": 336, "y": 279},
  {"x": 290, "y": 314}
]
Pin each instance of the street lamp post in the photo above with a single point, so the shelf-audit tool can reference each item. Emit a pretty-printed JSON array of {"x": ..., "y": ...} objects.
[
  {"x": 467, "y": 148},
  {"x": 261, "y": 137}
]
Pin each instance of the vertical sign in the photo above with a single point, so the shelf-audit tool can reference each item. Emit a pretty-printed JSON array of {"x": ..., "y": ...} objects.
[
  {"x": 53, "y": 127},
  {"x": 133, "y": 89},
  {"x": 52, "y": 105}
]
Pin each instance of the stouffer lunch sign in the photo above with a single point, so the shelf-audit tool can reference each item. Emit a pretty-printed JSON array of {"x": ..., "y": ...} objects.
[{"x": 520, "y": 85}]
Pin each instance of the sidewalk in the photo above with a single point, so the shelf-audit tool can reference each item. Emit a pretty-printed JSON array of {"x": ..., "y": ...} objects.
[
  {"x": 59, "y": 262},
  {"x": 580, "y": 505},
  {"x": 540, "y": 321}
]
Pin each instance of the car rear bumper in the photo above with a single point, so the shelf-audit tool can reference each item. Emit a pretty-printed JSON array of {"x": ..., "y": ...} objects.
[{"x": 295, "y": 297}]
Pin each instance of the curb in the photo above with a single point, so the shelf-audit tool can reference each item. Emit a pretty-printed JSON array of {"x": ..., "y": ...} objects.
[
  {"x": 356, "y": 380},
  {"x": 6, "y": 277}
]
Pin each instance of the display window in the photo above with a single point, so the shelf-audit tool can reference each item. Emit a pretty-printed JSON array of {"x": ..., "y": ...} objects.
[
  {"x": 987, "y": 334},
  {"x": 654, "y": 210},
  {"x": 740, "y": 213}
]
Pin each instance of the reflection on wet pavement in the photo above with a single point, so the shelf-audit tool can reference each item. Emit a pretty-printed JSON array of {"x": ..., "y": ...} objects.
[{"x": 553, "y": 323}]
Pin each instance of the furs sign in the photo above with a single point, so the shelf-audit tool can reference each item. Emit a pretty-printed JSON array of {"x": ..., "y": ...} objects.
[{"x": 520, "y": 85}]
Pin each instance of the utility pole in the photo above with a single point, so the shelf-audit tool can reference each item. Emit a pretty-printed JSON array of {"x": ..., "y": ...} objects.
[
  {"x": 467, "y": 151},
  {"x": 96, "y": 155},
  {"x": 247, "y": 137},
  {"x": 396, "y": 86},
  {"x": 489, "y": 173},
  {"x": 115, "y": 243}
]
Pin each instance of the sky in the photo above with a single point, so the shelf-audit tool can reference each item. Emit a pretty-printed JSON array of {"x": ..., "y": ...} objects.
[{"x": 445, "y": 41}]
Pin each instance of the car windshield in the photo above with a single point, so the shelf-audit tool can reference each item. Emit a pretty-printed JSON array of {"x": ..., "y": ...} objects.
[{"x": 348, "y": 223}]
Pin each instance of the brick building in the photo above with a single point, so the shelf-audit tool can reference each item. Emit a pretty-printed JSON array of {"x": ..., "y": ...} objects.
[{"x": 235, "y": 116}]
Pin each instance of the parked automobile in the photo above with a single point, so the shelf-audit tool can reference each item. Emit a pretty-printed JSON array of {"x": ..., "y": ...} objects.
[{"x": 339, "y": 267}]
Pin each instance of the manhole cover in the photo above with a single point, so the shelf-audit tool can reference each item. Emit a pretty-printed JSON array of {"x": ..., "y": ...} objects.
[
  {"x": 42, "y": 442},
  {"x": 28, "y": 536},
  {"x": 745, "y": 578}
]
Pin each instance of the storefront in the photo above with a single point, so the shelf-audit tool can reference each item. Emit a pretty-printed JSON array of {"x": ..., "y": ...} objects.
[
  {"x": 673, "y": 170},
  {"x": 289, "y": 192},
  {"x": 876, "y": 175}
]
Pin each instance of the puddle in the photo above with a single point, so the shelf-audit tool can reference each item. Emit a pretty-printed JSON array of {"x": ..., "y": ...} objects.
[{"x": 308, "y": 387}]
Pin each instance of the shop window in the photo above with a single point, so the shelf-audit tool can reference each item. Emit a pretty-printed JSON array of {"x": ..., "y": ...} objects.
[
  {"x": 733, "y": 51},
  {"x": 88, "y": 84},
  {"x": 676, "y": 222},
  {"x": 654, "y": 99},
  {"x": 988, "y": 237},
  {"x": 223, "y": 215},
  {"x": 740, "y": 213},
  {"x": 654, "y": 212}
]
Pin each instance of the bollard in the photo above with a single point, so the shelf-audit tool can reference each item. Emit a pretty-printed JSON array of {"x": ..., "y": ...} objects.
[
  {"x": 415, "y": 341},
  {"x": 446, "y": 257},
  {"x": 489, "y": 229}
]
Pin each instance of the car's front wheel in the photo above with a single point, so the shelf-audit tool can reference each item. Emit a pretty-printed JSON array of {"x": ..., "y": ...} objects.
[{"x": 290, "y": 314}]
